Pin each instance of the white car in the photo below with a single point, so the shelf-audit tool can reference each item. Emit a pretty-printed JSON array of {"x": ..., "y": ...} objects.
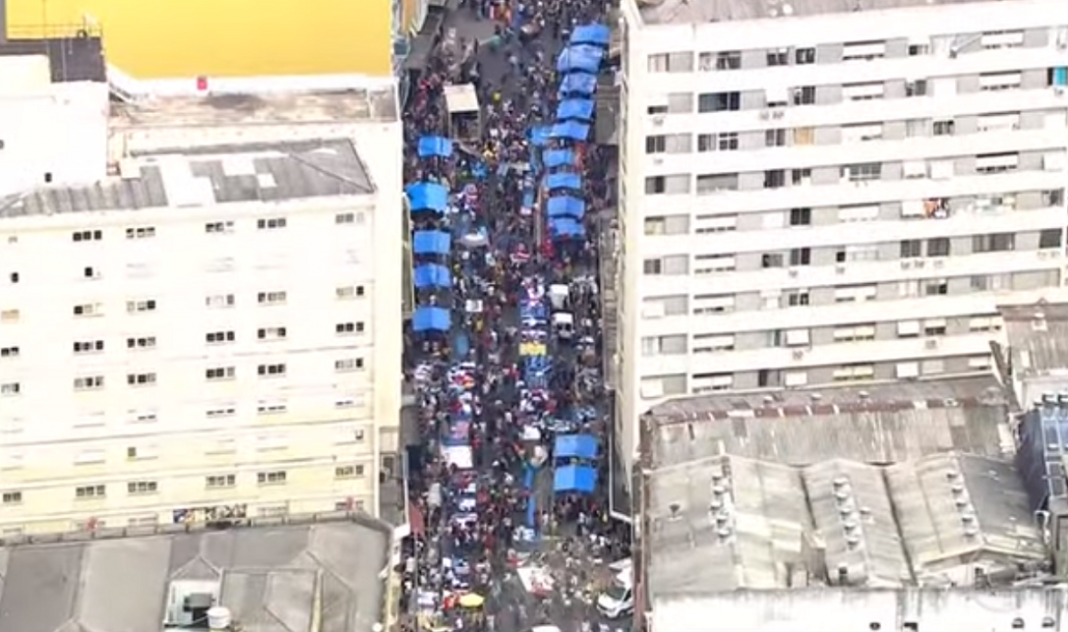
[{"x": 618, "y": 600}]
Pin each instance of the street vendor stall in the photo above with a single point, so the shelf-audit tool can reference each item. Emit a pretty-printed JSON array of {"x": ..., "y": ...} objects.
[{"x": 465, "y": 114}]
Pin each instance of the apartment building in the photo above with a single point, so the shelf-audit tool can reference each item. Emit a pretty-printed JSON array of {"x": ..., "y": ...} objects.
[
  {"x": 817, "y": 192},
  {"x": 212, "y": 329}
]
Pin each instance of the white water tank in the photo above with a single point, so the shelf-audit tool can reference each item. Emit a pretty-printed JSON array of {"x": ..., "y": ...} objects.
[{"x": 219, "y": 619}]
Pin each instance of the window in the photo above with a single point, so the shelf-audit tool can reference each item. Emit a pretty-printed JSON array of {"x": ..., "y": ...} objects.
[
  {"x": 87, "y": 235},
  {"x": 11, "y": 498},
  {"x": 778, "y": 57},
  {"x": 854, "y": 372},
  {"x": 670, "y": 62},
  {"x": 9, "y": 352},
  {"x": 142, "y": 342},
  {"x": 652, "y": 267},
  {"x": 712, "y": 264},
  {"x": 655, "y": 144},
  {"x": 271, "y": 478},
  {"x": 719, "y": 102},
  {"x": 726, "y": 141},
  {"x": 728, "y": 60},
  {"x": 936, "y": 287},
  {"x": 271, "y": 223},
  {"x": 996, "y": 163},
  {"x": 1050, "y": 238},
  {"x": 917, "y": 88},
  {"x": 218, "y": 301},
  {"x": 771, "y": 260},
  {"x": 219, "y": 227},
  {"x": 999, "y": 122},
  {"x": 145, "y": 305},
  {"x": 855, "y": 333},
  {"x": 221, "y": 481},
  {"x": 224, "y": 410},
  {"x": 140, "y": 379},
  {"x": 862, "y": 91},
  {"x": 345, "y": 218},
  {"x": 854, "y": 293},
  {"x": 911, "y": 248},
  {"x": 88, "y": 309},
  {"x": 934, "y": 327},
  {"x": 997, "y": 81},
  {"x": 348, "y": 471},
  {"x": 89, "y": 383},
  {"x": 800, "y": 216},
  {"x": 271, "y": 370},
  {"x": 271, "y": 333},
  {"x": 140, "y": 488},
  {"x": 984, "y": 323},
  {"x": 706, "y": 224},
  {"x": 348, "y": 329},
  {"x": 348, "y": 364},
  {"x": 711, "y": 183},
  {"x": 90, "y": 491},
  {"x": 349, "y": 291},
  {"x": 9, "y": 316},
  {"x": 88, "y": 346},
  {"x": 713, "y": 343},
  {"x": 667, "y": 225},
  {"x": 711, "y": 382},
  {"x": 797, "y": 338},
  {"x": 944, "y": 128},
  {"x": 858, "y": 213},
  {"x": 271, "y": 298},
  {"x": 216, "y": 374},
  {"x": 797, "y": 298},
  {"x": 271, "y": 407},
  {"x": 996, "y": 242},
  {"x": 805, "y": 95},
  {"x": 862, "y": 172},
  {"x": 141, "y": 232},
  {"x": 938, "y": 247},
  {"x": 805, "y": 56},
  {"x": 670, "y": 185},
  {"x": 10, "y": 389},
  {"x": 775, "y": 138},
  {"x": 1002, "y": 39},
  {"x": 919, "y": 49},
  {"x": 861, "y": 133},
  {"x": 219, "y": 337},
  {"x": 866, "y": 51},
  {"x": 800, "y": 256},
  {"x": 774, "y": 179},
  {"x": 664, "y": 345},
  {"x": 704, "y": 304}
]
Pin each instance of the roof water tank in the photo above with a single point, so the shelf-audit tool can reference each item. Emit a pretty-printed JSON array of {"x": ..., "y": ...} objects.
[{"x": 219, "y": 619}]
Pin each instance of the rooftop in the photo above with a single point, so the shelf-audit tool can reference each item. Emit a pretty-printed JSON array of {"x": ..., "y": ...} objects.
[
  {"x": 79, "y": 58},
  {"x": 695, "y": 11},
  {"x": 367, "y": 105},
  {"x": 882, "y": 423},
  {"x": 205, "y": 176},
  {"x": 1038, "y": 338},
  {"x": 273, "y": 579}
]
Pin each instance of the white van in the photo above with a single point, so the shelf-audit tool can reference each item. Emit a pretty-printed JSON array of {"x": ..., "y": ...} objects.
[{"x": 618, "y": 600}]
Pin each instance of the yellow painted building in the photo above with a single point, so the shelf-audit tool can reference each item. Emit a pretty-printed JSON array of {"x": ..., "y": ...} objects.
[{"x": 175, "y": 39}]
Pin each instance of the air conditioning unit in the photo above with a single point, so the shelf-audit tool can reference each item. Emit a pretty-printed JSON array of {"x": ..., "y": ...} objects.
[
  {"x": 905, "y": 264},
  {"x": 930, "y": 343},
  {"x": 799, "y": 354},
  {"x": 778, "y": 114},
  {"x": 840, "y": 269},
  {"x": 919, "y": 264},
  {"x": 765, "y": 115},
  {"x": 658, "y": 119},
  {"x": 939, "y": 263},
  {"x": 658, "y": 161},
  {"x": 793, "y": 273}
]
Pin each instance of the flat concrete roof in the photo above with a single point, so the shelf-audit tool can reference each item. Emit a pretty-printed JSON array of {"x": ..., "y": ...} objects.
[
  {"x": 697, "y": 11},
  {"x": 76, "y": 58},
  {"x": 272, "y": 578}
]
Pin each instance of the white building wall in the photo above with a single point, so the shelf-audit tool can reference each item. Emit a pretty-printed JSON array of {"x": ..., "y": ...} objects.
[
  {"x": 323, "y": 423},
  {"x": 731, "y": 321}
]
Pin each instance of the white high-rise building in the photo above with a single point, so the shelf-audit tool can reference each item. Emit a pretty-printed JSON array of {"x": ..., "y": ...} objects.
[
  {"x": 817, "y": 191},
  {"x": 205, "y": 322}
]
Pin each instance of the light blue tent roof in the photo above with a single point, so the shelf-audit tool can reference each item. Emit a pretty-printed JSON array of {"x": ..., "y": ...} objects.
[
  {"x": 431, "y": 146},
  {"x": 431, "y": 319},
  {"x": 428, "y": 196},
  {"x": 566, "y": 205},
  {"x": 578, "y": 83},
  {"x": 572, "y": 130},
  {"x": 575, "y": 109},
  {"x": 580, "y": 446},
  {"x": 539, "y": 135},
  {"x": 596, "y": 34},
  {"x": 431, "y": 242},
  {"x": 559, "y": 158},
  {"x": 431, "y": 275},
  {"x": 566, "y": 228},
  {"x": 580, "y": 58},
  {"x": 564, "y": 180},
  {"x": 575, "y": 478}
]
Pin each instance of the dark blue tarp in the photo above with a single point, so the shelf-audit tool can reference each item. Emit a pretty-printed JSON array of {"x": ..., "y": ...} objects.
[
  {"x": 431, "y": 275},
  {"x": 578, "y": 446},
  {"x": 572, "y": 130},
  {"x": 578, "y": 83},
  {"x": 431, "y": 242},
  {"x": 431, "y": 146},
  {"x": 575, "y": 109},
  {"x": 539, "y": 135},
  {"x": 559, "y": 158},
  {"x": 596, "y": 34},
  {"x": 580, "y": 58},
  {"x": 431, "y": 319},
  {"x": 564, "y": 180},
  {"x": 428, "y": 196},
  {"x": 566, "y": 206},
  {"x": 566, "y": 228},
  {"x": 575, "y": 478}
]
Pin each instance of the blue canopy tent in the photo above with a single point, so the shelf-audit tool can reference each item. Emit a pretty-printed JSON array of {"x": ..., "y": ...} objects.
[
  {"x": 580, "y": 59},
  {"x": 431, "y": 242},
  {"x": 431, "y": 319},
  {"x": 575, "y": 478},
  {"x": 579, "y": 109},
  {"x": 578, "y": 83},
  {"x": 432, "y": 275},
  {"x": 578, "y": 446},
  {"x": 559, "y": 158},
  {"x": 539, "y": 135},
  {"x": 593, "y": 34},
  {"x": 572, "y": 130},
  {"x": 564, "y": 180},
  {"x": 428, "y": 196},
  {"x": 566, "y": 228},
  {"x": 435, "y": 147},
  {"x": 566, "y": 205}
]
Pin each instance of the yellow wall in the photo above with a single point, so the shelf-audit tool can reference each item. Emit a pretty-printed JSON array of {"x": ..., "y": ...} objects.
[{"x": 170, "y": 39}]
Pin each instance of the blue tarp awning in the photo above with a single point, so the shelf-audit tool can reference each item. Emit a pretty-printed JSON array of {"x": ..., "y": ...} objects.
[
  {"x": 575, "y": 478},
  {"x": 431, "y": 242},
  {"x": 566, "y": 228},
  {"x": 564, "y": 180},
  {"x": 572, "y": 130},
  {"x": 575, "y": 109},
  {"x": 580, "y": 58},
  {"x": 431, "y": 275},
  {"x": 566, "y": 205},
  {"x": 431, "y": 319},
  {"x": 431, "y": 146},
  {"x": 595, "y": 34},
  {"x": 578, "y": 83},
  {"x": 559, "y": 158},
  {"x": 579, "y": 446},
  {"x": 425, "y": 196},
  {"x": 539, "y": 135}
]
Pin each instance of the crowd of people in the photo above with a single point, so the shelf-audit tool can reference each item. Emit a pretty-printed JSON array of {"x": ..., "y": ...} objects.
[{"x": 505, "y": 348}]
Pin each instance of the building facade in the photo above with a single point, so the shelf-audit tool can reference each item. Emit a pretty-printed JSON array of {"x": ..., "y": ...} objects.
[{"x": 812, "y": 196}]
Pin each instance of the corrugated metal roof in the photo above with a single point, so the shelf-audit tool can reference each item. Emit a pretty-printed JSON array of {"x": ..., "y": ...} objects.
[{"x": 1037, "y": 336}]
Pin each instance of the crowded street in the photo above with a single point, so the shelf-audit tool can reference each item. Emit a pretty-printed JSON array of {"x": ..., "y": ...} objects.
[{"x": 510, "y": 528}]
